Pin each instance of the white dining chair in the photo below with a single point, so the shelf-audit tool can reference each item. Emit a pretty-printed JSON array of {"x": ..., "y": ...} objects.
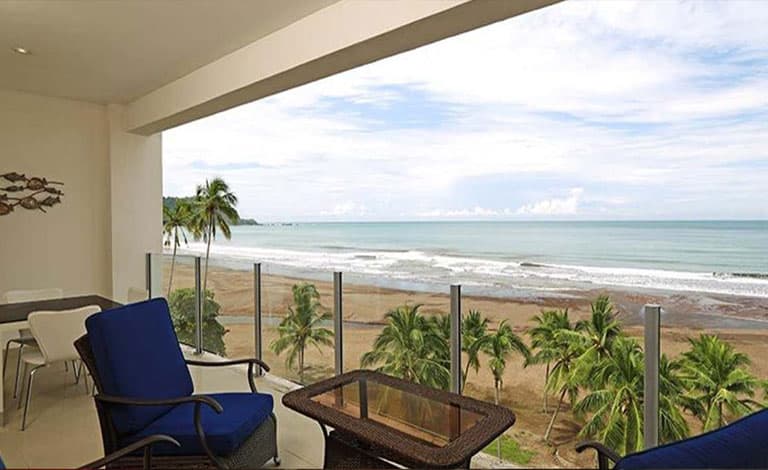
[
  {"x": 55, "y": 332},
  {"x": 25, "y": 336}
]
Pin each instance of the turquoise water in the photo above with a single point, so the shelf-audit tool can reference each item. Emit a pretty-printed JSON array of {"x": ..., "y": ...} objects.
[{"x": 713, "y": 256}]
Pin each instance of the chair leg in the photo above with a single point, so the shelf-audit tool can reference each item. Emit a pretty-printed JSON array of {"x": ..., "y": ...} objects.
[
  {"x": 84, "y": 376},
  {"x": 18, "y": 372},
  {"x": 21, "y": 377},
  {"x": 276, "y": 457},
  {"x": 76, "y": 372},
  {"x": 29, "y": 396},
  {"x": 5, "y": 354}
]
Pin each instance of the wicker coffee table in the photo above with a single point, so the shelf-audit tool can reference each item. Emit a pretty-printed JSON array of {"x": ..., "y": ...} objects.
[{"x": 378, "y": 420}]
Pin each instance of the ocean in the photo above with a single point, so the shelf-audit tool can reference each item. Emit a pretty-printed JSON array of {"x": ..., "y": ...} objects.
[{"x": 517, "y": 258}]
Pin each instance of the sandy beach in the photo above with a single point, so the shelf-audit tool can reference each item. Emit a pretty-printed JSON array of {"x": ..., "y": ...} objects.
[{"x": 743, "y": 321}]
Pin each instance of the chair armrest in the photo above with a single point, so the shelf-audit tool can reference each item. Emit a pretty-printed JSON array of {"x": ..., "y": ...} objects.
[
  {"x": 233, "y": 362},
  {"x": 250, "y": 361},
  {"x": 604, "y": 454},
  {"x": 145, "y": 444},
  {"x": 199, "y": 399}
]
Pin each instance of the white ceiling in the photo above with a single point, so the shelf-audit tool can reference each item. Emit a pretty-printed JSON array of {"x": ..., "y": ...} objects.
[{"x": 116, "y": 51}]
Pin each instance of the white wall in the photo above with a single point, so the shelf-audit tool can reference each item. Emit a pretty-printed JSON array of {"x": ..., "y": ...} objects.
[
  {"x": 136, "y": 195},
  {"x": 111, "y": 212},
  {"x": 69, "y": 247}
]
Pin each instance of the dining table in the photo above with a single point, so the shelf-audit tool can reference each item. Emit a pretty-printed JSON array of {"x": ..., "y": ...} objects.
[{"x": 13, "y": 317}]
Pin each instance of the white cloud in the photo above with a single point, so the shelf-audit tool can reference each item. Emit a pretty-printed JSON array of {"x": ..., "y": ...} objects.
[
  {"x": 562, "y": 206},
  {"x": 613, "y": 95}
]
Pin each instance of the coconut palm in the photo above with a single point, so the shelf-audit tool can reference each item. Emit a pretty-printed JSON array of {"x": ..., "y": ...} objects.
[
  {"x": 302, "y": 327},
  {"x": 718, "y": 381},
  {"x": 411, "y": 346},
  {"x": 544, "y": 342},
  {"x": 474, "y": 336},
  {"x": 568, "y": 346},
  {"x": 600, "y": 330},
  {"x": 500, "y": 344},
  {"x": 214, "y": 209},
  {"x": 175, "y": 222},
  {"x": 616, "y": 408},
  {"x": 672, "y": 424}
]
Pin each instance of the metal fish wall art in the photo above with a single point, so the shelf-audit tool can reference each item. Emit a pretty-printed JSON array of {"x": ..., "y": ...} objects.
[{"x": 32, "y": 193}]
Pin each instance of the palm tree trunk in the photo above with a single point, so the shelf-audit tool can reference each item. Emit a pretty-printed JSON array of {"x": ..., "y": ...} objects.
[
  {"x": 301, "y": 366},
  {"x": 173, "y": 265},
  {"x": 546, "y": 379},
  {"x": 207, "y": 255},
  {"x": 554, "y": 415},
  {"x": 496, "y": 400},
  {"x": 464, "y": 379}
]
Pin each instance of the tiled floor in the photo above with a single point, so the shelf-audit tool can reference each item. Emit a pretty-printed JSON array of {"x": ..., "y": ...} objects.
[{"x": 63, "y": 429}]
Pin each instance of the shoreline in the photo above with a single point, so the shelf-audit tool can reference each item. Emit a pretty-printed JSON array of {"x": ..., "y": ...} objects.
[{"x": 683, "y": 316}]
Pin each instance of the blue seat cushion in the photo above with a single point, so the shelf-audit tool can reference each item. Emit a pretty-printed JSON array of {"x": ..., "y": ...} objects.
[
  {"x": 137, "y": 355},
  {"x": 224, "y": 433},
  {"x": 741, "y": 444}
]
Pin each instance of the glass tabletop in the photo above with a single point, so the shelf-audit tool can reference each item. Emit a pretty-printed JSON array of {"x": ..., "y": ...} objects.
[{"x": 428, "y": 420}]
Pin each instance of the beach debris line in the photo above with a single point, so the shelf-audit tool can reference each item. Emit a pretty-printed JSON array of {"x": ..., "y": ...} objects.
[{"x": 31, "y": 193}]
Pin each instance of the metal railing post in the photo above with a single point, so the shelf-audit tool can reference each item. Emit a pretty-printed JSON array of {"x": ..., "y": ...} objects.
[
  {"x": 257, "y": 313},
  {"x": 338, "y": 321},
  {"x": 455, "y": 345},
  {"x": 652, "y": 321},
  {"x": 199, "y": 296},
  {"x": 148, "y": 273}
]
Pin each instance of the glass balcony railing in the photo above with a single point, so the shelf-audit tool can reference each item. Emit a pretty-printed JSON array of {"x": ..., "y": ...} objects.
[
  {"x": 379, "y": 325},
  {"x": 297, "y": 337},
  {"x": 550, "y": 361}
]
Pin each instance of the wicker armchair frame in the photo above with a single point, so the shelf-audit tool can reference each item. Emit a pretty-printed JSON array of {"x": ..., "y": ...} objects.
[{"x": 253, "y": 452}]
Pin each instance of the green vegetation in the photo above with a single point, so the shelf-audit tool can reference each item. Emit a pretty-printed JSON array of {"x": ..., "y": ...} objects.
[
  {"x": 175, "y": 223},
  {"x": 302, "y": 327},
  {"x": 510, "y": 450},
  {"x": 592, "y": 365},
  {"x": 214, "y": 208},
  {"x": 182, "y": 306},
  {"x": 170, "y": 202},
  {"x": 413, "y": 347},
  {"x": 474, "y": 336}
]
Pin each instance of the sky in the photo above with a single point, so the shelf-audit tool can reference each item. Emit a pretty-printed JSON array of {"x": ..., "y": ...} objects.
[{"x": 585, "y": 110}]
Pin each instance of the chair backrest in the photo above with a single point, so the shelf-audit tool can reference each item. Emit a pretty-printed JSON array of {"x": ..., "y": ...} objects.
[
  {"x": 56, "y": 331},
  {"x": 29, "y": 295},
  {"x": 136, "y": 294},
  {"x": 137, "y": 355},
  {"x": 741, "y": 444}
]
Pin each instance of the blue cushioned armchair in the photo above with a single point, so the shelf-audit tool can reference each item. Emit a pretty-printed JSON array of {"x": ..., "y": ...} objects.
[
  {"x": 741, "y": 444},
  {"x": 145, "y": 388}
]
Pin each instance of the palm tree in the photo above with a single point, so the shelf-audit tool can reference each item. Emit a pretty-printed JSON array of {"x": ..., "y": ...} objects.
[
  {"x": 500, "y": 344},
  {"x": 717, "y": 380},
  {"x": 568, "y": 346},
  {"x": 175, "y": 222},
  {"x": 600, "y": 330},
  {"x": 214, "y": 208},
  {"x": 302, "y": 327},
  {"x": 474, "y": 336},
  {"x": 617, "y": 407},
  {"x": 411, "y": 346},
  {"x": 543, "y": 340}
]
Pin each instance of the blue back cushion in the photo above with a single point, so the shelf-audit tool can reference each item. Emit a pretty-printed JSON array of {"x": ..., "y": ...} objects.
[
  {"x": 137, "y": 355},
  {"x": 741, "y": 444}
]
